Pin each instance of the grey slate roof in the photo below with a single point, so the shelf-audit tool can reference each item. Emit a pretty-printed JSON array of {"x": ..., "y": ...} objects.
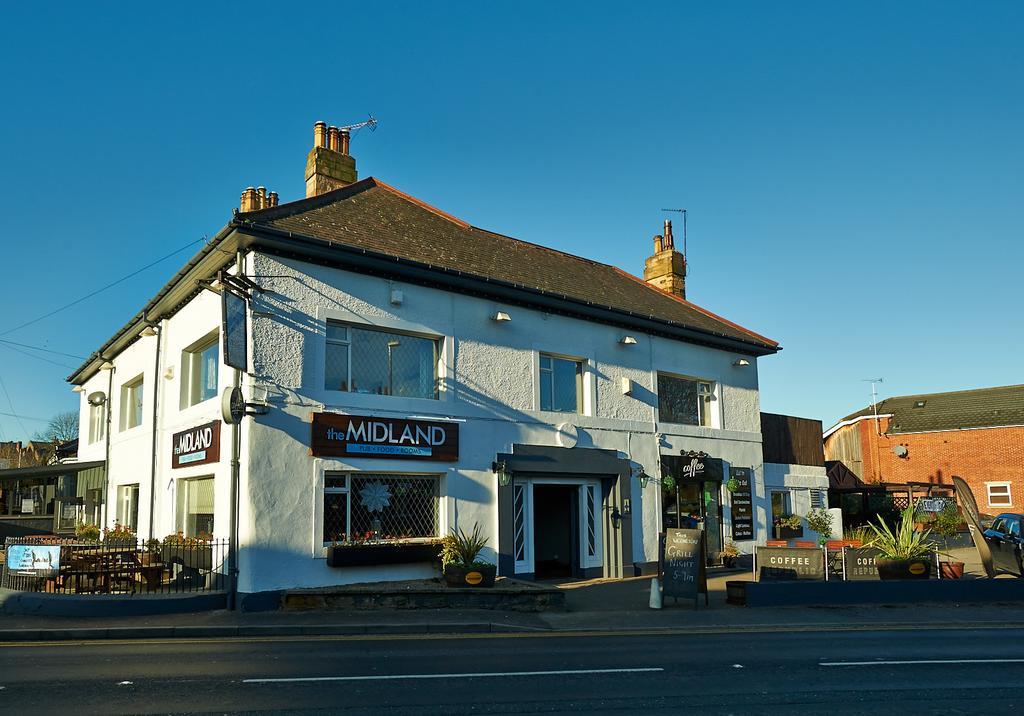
[
  {"x": 981, "y": 408},
  {"x": 372, "y": 216}
]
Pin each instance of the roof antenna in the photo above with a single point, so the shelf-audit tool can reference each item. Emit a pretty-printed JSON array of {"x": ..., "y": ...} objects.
[
  {"x": 683, "y": 212},
  {"x": 371, "y": 123},
  {"x": 874, "y": 399}
]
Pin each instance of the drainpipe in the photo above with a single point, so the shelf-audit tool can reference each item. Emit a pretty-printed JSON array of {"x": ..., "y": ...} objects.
[
  {"x": 106, "y": 457},
  {"x": 156, "y": 442},
  {"x": 236, "y": 451}
]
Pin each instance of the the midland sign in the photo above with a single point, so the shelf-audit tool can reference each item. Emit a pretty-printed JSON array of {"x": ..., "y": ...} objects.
[{"x": 336, "y": 435}]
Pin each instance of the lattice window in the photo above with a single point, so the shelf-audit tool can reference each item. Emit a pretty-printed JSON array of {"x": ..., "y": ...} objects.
[
  {"x": 366, "y": 506},
  {"x": 519, "y": 511}
]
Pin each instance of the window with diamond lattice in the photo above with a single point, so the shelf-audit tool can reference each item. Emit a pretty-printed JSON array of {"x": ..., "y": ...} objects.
[
  {"x": 364, "y": 506},
  {"x": 684, "y": 400}
]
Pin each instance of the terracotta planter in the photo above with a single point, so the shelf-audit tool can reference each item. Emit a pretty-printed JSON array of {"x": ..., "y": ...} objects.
[
  {"x": 903, "y": 568},
  {"x": 951, "y": 570},
  {"x": 470, "y": 577}
]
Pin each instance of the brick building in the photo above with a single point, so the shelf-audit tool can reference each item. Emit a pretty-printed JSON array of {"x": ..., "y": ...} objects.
[{"x": 975, "y": 434}]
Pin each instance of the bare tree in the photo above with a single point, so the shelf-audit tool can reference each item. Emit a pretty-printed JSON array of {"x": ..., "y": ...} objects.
[{"x": 62, "y": 427}]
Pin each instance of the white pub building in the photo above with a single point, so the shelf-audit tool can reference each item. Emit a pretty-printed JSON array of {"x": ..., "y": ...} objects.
[{"x": 336, "y": 382}]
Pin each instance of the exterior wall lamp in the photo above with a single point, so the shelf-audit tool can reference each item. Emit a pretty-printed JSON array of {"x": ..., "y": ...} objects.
[
  {"x": 78, "y": 389},
  {"x": 628, "y": 341},
  {"x": 741, "y": 362},
  {"x": 693, "y": 453},
  {"x": 616, "y": 518},
  {"x": 501, "y": 317},
  {"x": 501, "y": 470}
]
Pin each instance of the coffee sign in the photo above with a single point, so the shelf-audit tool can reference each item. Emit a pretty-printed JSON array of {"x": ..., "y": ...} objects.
[
  {"x": 197, "y": 446},
  {"x": 337, "y": 435},
  {"x": 859, "y": 564},
  {"x": 789, "y": 563},
  {"x": 691, "y": 469},
  {"x": 742, "y": 502}
]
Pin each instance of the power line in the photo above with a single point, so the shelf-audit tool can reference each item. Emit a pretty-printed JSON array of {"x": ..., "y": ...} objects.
[
  {"x": 101, "y": 290},
  {"x": 24, "y": 417},
  {"x": 15, "y": 415},
  {"x": 40, "y": 348},
  {"x": 35, "y": 357}
]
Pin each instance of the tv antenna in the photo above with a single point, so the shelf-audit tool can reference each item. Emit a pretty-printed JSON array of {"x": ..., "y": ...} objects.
[
  {"x": 371, "y": 123},
  {"x": 874, "y": 398},
  {"x": 683, "y": 212}
]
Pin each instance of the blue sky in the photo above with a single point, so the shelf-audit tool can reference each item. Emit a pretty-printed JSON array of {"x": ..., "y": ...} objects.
[{"x": 852, "y": 173}]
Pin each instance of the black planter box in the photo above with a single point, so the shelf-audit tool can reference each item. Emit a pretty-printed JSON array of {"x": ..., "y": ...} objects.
[
  {"x": 194, "y": 557},
  {"x": 370, "y": 555},
  {"x": 463, "y": 577},
  {"x": 788, "y": 532}
]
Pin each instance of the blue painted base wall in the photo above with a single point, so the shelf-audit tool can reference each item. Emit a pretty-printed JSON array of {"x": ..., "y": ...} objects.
[{"x": 803, "y": 593}]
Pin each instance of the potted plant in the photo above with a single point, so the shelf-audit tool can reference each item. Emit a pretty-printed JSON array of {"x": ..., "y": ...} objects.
[
  {"x": 119, "y": 536},
  {"x": 460, "y": 560},
  {"x": 947, "y": 525},
  {"x": 787, "y": 526},
  {"x": 87, "y": 532},
  {"x": 191, "y": 552},
  {"x": 904, "y": 553},
  {"x": 820, "y": 521},
  {"x": 729, "y": 554}
]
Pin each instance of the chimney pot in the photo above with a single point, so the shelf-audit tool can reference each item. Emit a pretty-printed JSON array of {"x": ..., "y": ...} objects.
[
  {"x": 332, "y": 138},
  {"x": 320, "y": 134},
  {"x": 658, "y": 243},
  {"x": 344, "y": 137},
  {"x": 272, "y": 198},
  {"x": 670, "y": 241}
]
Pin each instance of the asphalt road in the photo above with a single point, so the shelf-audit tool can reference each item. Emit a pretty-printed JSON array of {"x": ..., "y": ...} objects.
[{"x": 878, "y": 672}]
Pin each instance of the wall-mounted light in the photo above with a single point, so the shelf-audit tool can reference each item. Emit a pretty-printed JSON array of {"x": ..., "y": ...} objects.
[
  {"x": 501, "y": 470},
  {"x": 78, "y": 389},
  {"x": 147, "y": 332},
  {"x": 501, "y": 317},
  {"x": 107, "y": 365},
  {"x": 98, "y": 398},
  {"x": 645, "y": 480},
  {"x": 628, "y": 341},
  {"x": 616, "y": 518},
  {"x": 741, "y": 362}
]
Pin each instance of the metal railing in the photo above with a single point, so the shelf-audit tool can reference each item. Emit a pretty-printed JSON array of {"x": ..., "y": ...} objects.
[{"x": 71, "y": 566}]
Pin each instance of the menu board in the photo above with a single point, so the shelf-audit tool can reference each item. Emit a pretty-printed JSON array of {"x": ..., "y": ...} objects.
[
  {"x": 683, "y": 573},
  {"x": 742, "y": 501}
]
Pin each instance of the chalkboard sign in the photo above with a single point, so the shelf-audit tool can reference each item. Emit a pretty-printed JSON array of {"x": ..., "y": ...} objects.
[
  {"x": 859, "y": 564},
  {"x": 742, "y": 501},
  {"x": 775, "y": 564},
  {"x": 683, "y": 572}
]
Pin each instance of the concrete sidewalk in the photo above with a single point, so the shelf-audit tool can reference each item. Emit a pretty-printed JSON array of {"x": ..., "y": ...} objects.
[{"x": 593, "y": 606}]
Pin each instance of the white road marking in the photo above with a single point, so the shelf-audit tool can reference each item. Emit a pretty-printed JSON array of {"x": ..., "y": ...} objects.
[
  {"x": 470, "y": 675},
  {"x": 124, "y": 683},
  {"x": 921, "y": 661},
  {"x": 737, "y": 666}
]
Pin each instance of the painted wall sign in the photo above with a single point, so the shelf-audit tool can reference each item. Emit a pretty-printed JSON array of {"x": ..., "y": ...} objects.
[
  {"x": 859, "y": 564},
  {"x": 742, "y": 502},
  {"x": 33, "y": 559},
  {"x": 692, "y": 469},
  {"x": 682, "y": 565},
  {"x": 788, "y": 563},
  {"x": 196, "y": 446},
  {"x": 362, "y": 436}
]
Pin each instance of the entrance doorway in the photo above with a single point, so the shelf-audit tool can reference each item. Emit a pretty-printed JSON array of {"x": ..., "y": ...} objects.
[
  {"x": 696, "y": 505},
  {"x": 555, "y": 531}
]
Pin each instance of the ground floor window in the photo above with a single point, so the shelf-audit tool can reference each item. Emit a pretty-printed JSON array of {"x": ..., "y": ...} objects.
[
  {"x": 998, "y": 494},
  {"x": 360, "y": 507},
  {"x": 128, "y": 506},
  {"x": 195, "y": 507},
  {"x": 785, "y": 524}
]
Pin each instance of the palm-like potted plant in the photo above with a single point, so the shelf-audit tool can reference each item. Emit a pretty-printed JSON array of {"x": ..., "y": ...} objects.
[
  {"x": 904, "y": 553},
  {"x": 947, "y": 525},
  {"x": 460, "y": 559}
]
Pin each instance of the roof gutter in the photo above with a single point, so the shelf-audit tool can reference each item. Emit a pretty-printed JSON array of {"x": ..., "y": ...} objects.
[{"x": 300, "y": 246}]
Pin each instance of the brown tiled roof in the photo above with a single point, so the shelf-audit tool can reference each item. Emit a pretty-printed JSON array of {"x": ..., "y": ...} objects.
[
  {"x": 963, "y": 409},
  {"x": 372, "y": 216}
]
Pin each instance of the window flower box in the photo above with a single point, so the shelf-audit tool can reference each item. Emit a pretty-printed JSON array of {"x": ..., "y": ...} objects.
[{"x": 369, "y": 554}]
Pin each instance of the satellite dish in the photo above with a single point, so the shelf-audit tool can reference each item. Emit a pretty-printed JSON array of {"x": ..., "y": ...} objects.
[
  {"x": 98, "y": 398},
  {"x": 899, "y": 451}
]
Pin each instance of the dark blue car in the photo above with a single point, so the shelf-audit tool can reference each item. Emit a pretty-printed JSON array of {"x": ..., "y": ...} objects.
[{"x": 1005, "y": 541}]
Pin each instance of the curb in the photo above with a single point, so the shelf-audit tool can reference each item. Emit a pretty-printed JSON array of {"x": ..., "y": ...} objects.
[{"x": 84, "y": 634}]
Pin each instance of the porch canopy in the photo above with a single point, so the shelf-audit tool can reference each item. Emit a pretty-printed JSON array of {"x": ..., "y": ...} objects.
[{"x": 50, "y": 499}]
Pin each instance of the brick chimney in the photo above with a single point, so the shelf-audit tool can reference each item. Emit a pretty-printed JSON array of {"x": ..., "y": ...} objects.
[
  {"x": 254, "y": 199},
  {"x": 329, "y": 165},
  {"x": 666, "y": 268}
]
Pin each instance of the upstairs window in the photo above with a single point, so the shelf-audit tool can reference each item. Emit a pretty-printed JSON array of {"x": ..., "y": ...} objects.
[
  {"x": 687, "y": 401},
  {"x": 561, "y": 384},
  {"x": 199, "y": 365},
  {"x": 131, "y": 404},
  {"x": 380, "y": 362},
  {"x": 998, "y": 494},
  {"x": 97, "y": 422}
]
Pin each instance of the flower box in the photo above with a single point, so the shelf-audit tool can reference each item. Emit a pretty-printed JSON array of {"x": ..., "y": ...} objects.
[
  {"x": 190, "y": 556},
  {"x": 369, "y": 555}
]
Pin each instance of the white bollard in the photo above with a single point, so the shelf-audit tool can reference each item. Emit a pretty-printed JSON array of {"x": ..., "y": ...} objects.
[{"x": 655, "y": 594}]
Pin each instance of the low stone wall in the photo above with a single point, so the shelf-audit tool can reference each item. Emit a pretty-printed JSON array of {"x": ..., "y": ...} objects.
[
  {"x": 107, "y": 605},
  {"x": 506, "y": 594}
]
